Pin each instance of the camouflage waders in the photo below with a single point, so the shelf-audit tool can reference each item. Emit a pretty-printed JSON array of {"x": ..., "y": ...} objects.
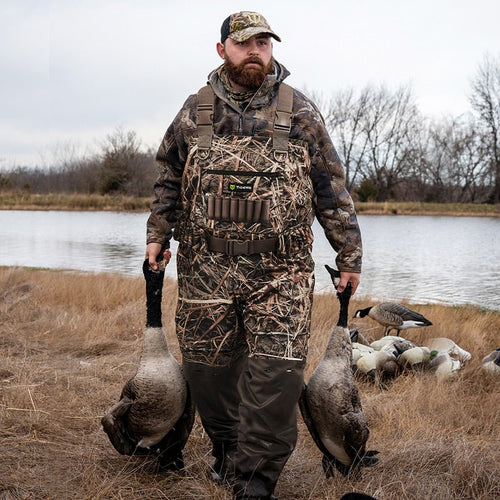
[{"x": 245, "y": 275}]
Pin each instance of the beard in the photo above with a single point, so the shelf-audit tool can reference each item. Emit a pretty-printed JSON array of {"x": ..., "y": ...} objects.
[{"x": 251, "y": 78}]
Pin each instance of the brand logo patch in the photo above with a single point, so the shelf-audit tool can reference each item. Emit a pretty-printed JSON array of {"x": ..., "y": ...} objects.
[
  {"x": 239, "y": 188},
  {"x": 254, "y": 17}
]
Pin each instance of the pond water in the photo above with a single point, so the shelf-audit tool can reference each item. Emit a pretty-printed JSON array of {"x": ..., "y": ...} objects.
[{"x": 424, "y": 259}]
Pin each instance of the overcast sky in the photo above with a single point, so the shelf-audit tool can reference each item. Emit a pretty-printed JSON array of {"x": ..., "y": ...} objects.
[{"x": 72, "y": 71}]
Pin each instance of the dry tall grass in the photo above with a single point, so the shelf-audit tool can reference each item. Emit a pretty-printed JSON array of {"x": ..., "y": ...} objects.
[{"x": 69, "y": 341}]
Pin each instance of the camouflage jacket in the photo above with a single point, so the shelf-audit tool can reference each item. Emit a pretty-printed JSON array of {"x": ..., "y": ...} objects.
[{"x": 334, "y": 207}]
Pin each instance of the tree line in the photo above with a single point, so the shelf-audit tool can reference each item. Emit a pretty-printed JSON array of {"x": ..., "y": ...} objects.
[{"x": 390, "y": 151}]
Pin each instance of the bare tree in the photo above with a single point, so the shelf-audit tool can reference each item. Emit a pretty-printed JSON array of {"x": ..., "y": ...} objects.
[
  {"x": 390, "y": 125},
  {"x": 374, "y": 133},
  {"x": 485, "y": 100},
  {"x": 456, "y": 162},
  {"x": 344, "y": 117}
]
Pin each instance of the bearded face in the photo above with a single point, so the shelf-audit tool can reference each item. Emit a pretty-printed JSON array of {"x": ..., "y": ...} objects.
[{"x": 250, "y": 73}]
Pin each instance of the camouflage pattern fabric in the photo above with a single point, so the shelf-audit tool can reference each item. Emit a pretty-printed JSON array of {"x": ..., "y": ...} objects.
[
  {"x": 256, "y": 304},
  {"x": 260, "y": 303},
  {"x": 243, "y": 25}
]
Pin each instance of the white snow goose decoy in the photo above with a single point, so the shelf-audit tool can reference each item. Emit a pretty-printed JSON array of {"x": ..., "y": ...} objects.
[{"x": 444, "y": 344}]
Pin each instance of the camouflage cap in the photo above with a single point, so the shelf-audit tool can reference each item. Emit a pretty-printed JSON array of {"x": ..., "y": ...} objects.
[{"x": 243, "y": 25}]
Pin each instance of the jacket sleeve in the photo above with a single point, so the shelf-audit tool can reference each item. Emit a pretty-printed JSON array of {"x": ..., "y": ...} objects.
[
  {"x": 171, "y": 158},
  {"x": 333, "y": 205}
]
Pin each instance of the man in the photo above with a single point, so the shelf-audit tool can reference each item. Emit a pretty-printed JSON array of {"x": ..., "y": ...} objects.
[{"x": 245, "y": 166}]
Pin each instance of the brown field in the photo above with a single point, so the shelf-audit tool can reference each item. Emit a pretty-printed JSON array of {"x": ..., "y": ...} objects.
[{"x": 69, "y": 341}]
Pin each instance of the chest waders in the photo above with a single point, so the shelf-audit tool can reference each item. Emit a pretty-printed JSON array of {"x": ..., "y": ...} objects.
[{"x": 245, "y": 278}]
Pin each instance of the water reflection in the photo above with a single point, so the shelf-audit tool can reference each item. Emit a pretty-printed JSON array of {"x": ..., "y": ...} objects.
[{"x": 450, "y": 260}]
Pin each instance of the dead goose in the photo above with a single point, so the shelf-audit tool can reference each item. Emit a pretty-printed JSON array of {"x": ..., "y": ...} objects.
[
  {"x": 330, "y": 403},
  {"x": 155, "y": 413},
  {"x": 393, "y": 316},
  {"x": 491, "y": 362}
]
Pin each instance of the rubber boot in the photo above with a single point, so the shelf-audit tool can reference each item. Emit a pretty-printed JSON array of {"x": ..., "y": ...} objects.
[
  {"x": 215, "y": 393},
  {"x": 270, "y": 390}
]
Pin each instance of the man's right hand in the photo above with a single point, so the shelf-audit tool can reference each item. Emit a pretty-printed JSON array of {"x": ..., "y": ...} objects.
[{"x": 152, "y": 252}]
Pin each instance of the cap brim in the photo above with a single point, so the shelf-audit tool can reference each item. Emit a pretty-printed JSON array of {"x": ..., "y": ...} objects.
[{"x": 245, "y": 34}]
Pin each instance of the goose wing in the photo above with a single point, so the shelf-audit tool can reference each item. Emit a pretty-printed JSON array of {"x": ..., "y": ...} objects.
[
  {"x": 114, "y": 425},
  {"x": 404, "y": 313},
  {"x": 328, "y": 461},
  {"x": 308, "y": 420}
]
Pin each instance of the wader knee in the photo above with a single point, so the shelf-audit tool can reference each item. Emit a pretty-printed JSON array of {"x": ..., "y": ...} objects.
[
  {"x": 270, "y": 389},
  {"x": 215, "y": 392}
]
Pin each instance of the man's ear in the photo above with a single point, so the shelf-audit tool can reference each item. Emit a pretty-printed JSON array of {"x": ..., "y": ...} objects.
[{"x": 221, "y": 50}]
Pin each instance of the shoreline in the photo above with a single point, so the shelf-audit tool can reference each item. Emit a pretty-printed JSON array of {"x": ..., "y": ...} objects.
[{"x": 92, "y": 203}]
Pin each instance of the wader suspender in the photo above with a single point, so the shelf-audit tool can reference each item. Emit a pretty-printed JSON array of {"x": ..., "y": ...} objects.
[
  {"x": 281, "y": 131},
  {"x": 205, "y": 120},
  {"x": 281, "y": 127},
  {"x": 282, "y": 122}
]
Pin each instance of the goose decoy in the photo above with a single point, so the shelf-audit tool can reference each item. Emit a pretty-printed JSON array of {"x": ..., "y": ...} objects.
[
  {"x": 445, "y": 366},
  {"x": 444, "y": 344},
  {"x": 379, "y": 344},
  {"x": 381, "y": 365},
  {"x": 416, "y": 358},
  {"x": 393, "y": 316},
  {"x": 491, "y": 362},
  {"x": 357, "y": 336},
  {"x": 330, "y": 403},
  {"x": 155, "y": 413},
  {"x": 359, "y": 350},
  {"x": 381, "y": 361},
  {"x": 397, "y": 347}
]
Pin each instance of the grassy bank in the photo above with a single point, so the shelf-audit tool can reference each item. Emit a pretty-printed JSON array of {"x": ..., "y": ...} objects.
[
  {"x": 20, "y": 200},
  {"x": 69, "y": 341}
]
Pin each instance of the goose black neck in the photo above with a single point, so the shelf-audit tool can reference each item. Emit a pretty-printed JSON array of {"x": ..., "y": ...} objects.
[
  {"x": 154, "y": 286},
  {"x": 344, "y": 298}
]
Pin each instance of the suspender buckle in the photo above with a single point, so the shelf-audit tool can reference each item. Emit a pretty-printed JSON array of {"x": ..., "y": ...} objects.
[
  {"x": 203, "y": 154},
  {"x": 280, "y": 156},
  {"x": 235, "y": 247}
]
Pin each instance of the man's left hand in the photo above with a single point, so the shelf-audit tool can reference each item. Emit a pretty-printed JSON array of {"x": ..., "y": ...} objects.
[{"x": 345, "y": 277}]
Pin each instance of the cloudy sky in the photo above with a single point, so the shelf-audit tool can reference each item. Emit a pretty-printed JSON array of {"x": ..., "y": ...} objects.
[{"x": 72, "y": 71}]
